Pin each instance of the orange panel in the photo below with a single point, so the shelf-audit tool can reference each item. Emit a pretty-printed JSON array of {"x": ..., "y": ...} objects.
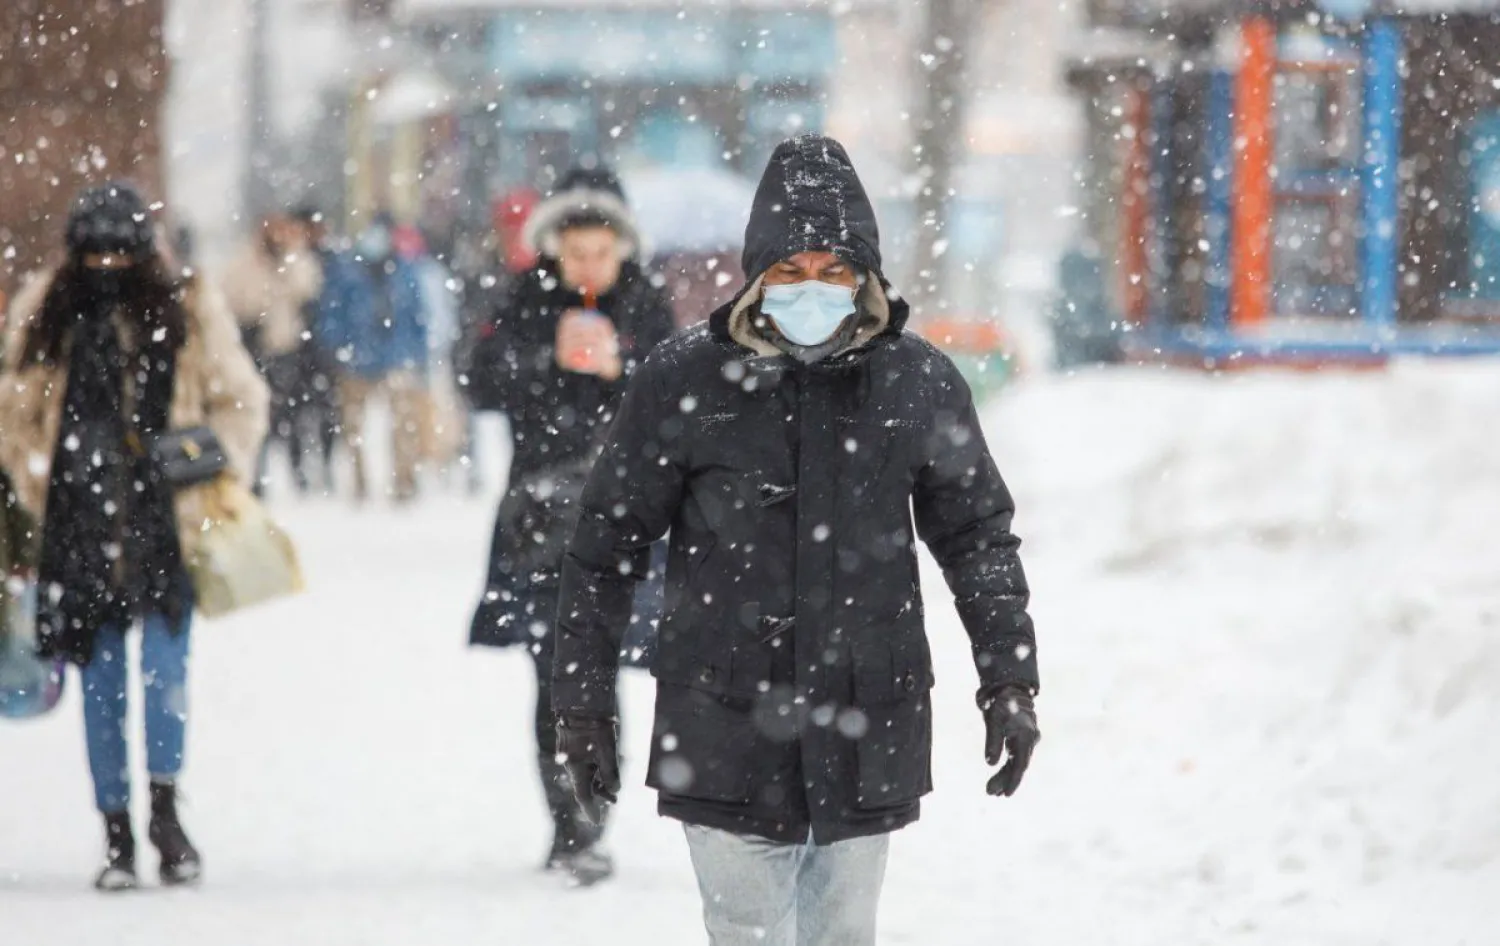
[
  {"x": 1254, "y": 199},
  {"x": 1135, "y": 207}
]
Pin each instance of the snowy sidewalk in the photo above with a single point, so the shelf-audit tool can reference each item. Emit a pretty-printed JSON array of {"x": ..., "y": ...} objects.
[{"x": 1270, "y": 640}]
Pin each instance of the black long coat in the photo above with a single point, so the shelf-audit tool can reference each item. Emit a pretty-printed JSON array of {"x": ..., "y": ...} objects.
[
  {"x": 793, "y": 670},
  {"x": 556, "y": 419},
  {"x": 793, "y": 665}
]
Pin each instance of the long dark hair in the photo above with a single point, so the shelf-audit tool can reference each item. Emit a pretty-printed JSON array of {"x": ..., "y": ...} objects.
[{"x": 151, "y": 298}]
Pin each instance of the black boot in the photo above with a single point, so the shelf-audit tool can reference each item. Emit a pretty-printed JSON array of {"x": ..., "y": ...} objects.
[
  {"x": 587, "y": 866},
  {"x": 180, "y": 863},
  {"x": 570, "y": 836},
  {"x": 580, "y": 856},
  {"x": 118, "y": 872}
]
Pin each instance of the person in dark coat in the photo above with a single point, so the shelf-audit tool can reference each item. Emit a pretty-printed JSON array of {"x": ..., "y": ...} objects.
[
  {"x": 794, "y": 448},
  {"x": 562, "y": 344},
  {"x": 320, "y": 370}
]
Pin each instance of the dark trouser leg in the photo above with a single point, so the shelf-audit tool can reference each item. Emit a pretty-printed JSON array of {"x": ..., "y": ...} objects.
[
  {"x": 323, "y": 403},
  {"x": 292, "y": 427},
  {"x": 282, "y": 373},
  {"x": 328, "y": 425},
  {"x": 573, "y": 831},
  {"x": 284, "y": 429}
]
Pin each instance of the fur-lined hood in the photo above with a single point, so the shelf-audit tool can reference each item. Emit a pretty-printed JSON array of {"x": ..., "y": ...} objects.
[{"x": 584, "y": 193}]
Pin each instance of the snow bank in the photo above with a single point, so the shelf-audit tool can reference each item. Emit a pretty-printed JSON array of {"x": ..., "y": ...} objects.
[{"x": 1267, "y": 609}]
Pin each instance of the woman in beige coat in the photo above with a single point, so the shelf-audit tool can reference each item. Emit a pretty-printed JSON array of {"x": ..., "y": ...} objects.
[{"x": 102, "y": 356}]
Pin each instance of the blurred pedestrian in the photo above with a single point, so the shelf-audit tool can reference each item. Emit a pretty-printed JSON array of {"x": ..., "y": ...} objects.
[
  {"x": 319, "y": 382},
  {"x": 268, "y": 285},
  {"x": 559, "y": 348},
  {"x": 786, "y": 446},
  {"x": 372, "y": 318},
  {"x": 105, "y": 357},
  {"x": 440, "y": 424}
]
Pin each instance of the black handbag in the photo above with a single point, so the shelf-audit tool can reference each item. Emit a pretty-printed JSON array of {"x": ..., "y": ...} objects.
[{"x": 189, "y": 457}]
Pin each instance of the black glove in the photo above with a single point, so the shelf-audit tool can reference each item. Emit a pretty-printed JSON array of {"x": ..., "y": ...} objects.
[
  {"x": 590, "y": 753},
  {"x": 1009, "y": 725}
]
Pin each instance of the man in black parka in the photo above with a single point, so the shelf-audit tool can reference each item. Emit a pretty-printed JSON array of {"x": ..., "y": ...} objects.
[
  {"x": 795, "y": 447},
  {"x": 563, "y": 339}
]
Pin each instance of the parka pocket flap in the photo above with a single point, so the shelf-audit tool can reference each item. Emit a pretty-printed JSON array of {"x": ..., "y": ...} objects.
[{"x": 892, "y": 674}]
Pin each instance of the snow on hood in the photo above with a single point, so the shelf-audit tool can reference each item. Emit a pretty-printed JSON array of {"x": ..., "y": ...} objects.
[{"x": 810, "y": 198}]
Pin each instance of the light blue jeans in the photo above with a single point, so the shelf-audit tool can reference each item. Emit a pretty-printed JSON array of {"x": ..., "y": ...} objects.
[
  {"x": 761, "y": 893},
  {"x": 164, "y": 672}
]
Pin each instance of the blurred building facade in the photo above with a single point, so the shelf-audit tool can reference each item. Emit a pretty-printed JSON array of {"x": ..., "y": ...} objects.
[
  {"x": 485, "y": 96},
  {"x": 81, "y": 100},
  {"x": 434, "y": 107},
  {"x": 1294, "y": 179}
]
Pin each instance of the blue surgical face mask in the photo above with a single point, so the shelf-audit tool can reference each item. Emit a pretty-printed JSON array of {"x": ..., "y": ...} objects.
[{"x": 807, "y": 313}]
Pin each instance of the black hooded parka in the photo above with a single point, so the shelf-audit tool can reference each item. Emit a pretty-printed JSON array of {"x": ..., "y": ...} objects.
[{"x": 793, "y": 667}]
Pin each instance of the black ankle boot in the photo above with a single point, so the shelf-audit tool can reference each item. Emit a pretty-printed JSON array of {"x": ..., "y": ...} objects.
[
  {"x": 118, "y": 872},
  {"x": 180, "y": 863},
  {"x": 575, "y": 847}
]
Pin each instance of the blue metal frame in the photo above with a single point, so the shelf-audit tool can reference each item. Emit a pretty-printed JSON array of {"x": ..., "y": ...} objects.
[
  {"x": 1219, "y": 161},
  {"x": 1379, "y": 193},
  {"x": 1375, "y": 335},
  {"x": 1481, "y": 282},
  {"x": 1229, "y": 346},
  {"x": 1159, "y": 292}
]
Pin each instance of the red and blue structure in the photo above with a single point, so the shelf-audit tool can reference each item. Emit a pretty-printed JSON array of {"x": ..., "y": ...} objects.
[{"x": 1237, "y": 322}]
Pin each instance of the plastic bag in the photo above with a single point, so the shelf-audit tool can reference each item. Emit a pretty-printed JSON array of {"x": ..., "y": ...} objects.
[
  {"x": 239, "y": 557},
  {"x": 29, "y": 685}
]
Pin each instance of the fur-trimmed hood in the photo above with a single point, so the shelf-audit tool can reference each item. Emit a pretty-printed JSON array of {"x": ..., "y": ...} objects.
[{"x": 584, "y": 193}]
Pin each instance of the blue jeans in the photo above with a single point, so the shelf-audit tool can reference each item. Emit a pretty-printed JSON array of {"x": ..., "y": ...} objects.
[
  {"x": 761, "y": 893},
  {"x": 164, "y": 672}
]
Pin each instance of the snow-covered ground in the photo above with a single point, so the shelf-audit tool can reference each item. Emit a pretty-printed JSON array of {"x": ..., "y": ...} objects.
[{"x": 1267, "y": 610}]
